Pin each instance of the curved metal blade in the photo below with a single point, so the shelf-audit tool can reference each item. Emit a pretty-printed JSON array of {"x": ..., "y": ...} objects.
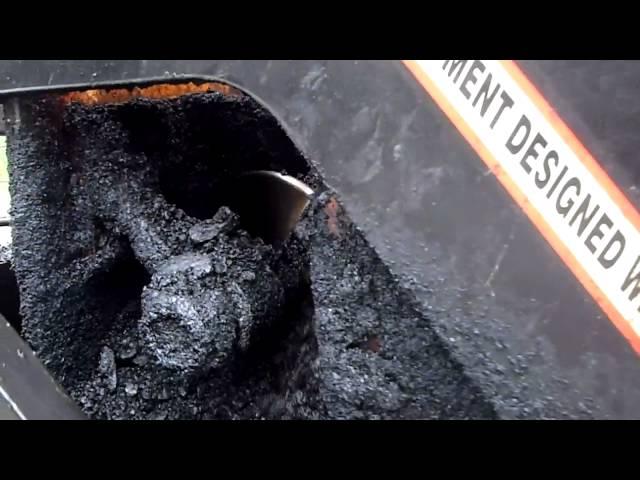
[{"x": 270, "y": 204}]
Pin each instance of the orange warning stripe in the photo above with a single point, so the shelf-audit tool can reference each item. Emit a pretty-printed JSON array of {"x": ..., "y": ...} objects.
[
  {"x": 538, "y": 220},
  {"x": 569, "y": 137}
]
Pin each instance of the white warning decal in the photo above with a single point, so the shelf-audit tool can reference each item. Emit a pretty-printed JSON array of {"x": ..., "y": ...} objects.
[{"x": 571, "y": 200}]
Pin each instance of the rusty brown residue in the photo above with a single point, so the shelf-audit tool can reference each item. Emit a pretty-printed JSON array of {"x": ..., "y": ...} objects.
[
  {"x": 374, "y": 343},
  {"x": 332, "y": 209},
  {"x": 160, "y": 91}
]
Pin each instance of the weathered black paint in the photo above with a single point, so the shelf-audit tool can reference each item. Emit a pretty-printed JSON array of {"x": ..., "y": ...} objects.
[{"x": 514, "y": 315}]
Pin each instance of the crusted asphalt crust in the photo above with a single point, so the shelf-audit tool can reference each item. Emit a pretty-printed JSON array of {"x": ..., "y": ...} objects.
[{"x": 145, "y": 297}]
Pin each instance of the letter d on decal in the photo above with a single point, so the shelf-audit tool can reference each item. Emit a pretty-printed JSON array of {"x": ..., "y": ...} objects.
[
  {"x": 525, "y": 124},
  {"x": 617, "y": 240}
]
